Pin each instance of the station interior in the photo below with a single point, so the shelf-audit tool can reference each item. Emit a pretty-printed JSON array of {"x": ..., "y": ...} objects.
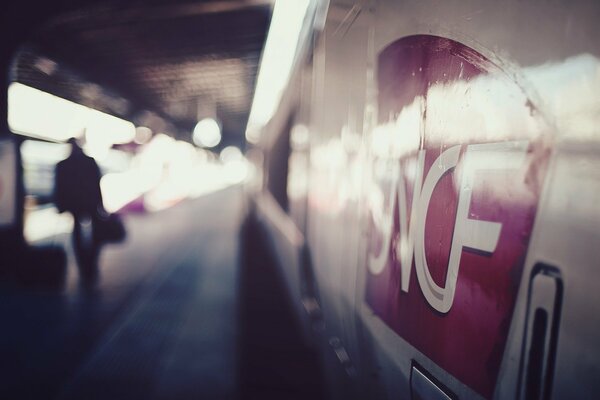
[
  {"x": 183, "y": 302},
  {"x": 299, "y": 199}
]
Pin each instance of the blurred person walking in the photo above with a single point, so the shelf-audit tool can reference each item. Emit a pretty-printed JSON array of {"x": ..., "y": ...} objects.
[{"x": 77, "y": 190}]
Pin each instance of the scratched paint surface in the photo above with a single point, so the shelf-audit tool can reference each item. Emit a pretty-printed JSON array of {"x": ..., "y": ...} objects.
[{"x": 434, "y": 94}]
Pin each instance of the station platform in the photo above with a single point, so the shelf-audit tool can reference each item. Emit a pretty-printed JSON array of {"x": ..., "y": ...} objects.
[{"x": 166, "y": 315}]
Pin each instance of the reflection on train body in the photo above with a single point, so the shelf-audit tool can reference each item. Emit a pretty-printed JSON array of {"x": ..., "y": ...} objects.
[{"x": 441, "y": 188}]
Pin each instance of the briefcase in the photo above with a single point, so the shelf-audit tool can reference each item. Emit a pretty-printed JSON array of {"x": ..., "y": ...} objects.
[{"x": 109, "y": 228}]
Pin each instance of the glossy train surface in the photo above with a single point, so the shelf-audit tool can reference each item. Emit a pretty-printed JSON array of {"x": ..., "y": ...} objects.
[{"x": 430, "y": 187}]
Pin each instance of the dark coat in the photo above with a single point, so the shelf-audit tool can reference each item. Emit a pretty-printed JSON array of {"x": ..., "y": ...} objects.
[{"x": 77, "y": 185}]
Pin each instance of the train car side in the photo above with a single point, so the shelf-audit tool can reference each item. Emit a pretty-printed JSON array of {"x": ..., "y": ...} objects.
[{"x": 431, "y": 192}]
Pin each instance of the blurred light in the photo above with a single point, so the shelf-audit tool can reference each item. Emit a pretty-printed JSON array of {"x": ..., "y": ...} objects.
[
  {"x": 103, "y": 130},
  {"x": 142, "y": 135},
  {"x": 37, "y": 113},
  {"x": 202, "y": 155},
  {"x": 45, "y": 65},
  {"x": 299, "y": 137},
  {"x": 253, "y": 132},
  {"x": 40, "y": 114},
  {"x": 230, "y": 153},
  {"x": 45, "y": 222},
  {"x": 34, "y": 151},
  {"x": 110, "y": 128},
  {"x": 207, "y": 133},
  {"x": 120, "y": 188},
  {"x": 277, "y": 62},
  {"x": 235, "y": 171}
]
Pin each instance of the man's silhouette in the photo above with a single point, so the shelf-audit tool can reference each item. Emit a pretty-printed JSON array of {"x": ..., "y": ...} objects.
[{"x": 77, "y": 190}]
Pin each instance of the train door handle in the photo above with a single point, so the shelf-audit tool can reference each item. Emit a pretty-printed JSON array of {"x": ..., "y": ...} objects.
[{"x": 541, "y": 333}]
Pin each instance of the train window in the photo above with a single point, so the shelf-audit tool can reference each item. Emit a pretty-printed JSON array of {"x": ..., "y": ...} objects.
[{"x": 277, "y": 166}]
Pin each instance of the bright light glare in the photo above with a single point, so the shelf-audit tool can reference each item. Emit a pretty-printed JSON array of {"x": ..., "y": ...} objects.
[
  {"x": 207, "y": 133},
  {"x": 142, "y": 135},
  {"x": 33, "y": 112},
  {"x": 235, "y": 171},
  {"x": 103, "y": 130},
  {"x": 39, "y": 152},
  {"x": 235, "y": 165},
  {"x": 44, "y": 222},
  {"x": 110, "y": 128},
  {"x": 166, "y": 171},
  {"x": 299, "y": 137},
  {"x": 37, "y": 113},
  {"x": 120, "y": 188},
  {"x": 230, "y": 153},
  {"x": 277, "y": 62}
]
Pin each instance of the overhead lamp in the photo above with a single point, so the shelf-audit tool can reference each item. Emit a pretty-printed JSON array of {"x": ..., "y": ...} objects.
[
  {"x": 207, "y": 133},
  {"x": 33, "y": 112}
]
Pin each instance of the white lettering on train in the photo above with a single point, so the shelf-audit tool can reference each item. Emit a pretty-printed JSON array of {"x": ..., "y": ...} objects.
[{"x": 468, "y": 233}]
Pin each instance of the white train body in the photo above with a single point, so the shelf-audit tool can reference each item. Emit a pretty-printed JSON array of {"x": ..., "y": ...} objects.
[{"x": 431, "y": 190}]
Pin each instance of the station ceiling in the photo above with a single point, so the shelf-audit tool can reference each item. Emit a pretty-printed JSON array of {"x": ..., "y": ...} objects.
[{"x": 163, "y": 63}]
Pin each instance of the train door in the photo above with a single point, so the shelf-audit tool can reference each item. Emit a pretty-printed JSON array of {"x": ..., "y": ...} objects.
[{"x": 335, "y": 183}]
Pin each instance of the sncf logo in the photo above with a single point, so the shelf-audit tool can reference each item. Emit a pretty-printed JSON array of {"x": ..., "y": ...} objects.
[
  {"x": 454, "y": 181},
  {"x": 471, "y": 233}
]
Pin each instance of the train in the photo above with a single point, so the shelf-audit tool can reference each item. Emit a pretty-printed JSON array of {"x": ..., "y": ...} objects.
[{"x": 429, "y": 186}]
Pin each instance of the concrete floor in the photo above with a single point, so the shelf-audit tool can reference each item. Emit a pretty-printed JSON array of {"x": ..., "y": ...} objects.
[{"x": 165, "y": 315}]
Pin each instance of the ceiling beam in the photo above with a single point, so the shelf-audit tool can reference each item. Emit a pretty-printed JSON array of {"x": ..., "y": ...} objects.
[{"x": 126, "y": 14}]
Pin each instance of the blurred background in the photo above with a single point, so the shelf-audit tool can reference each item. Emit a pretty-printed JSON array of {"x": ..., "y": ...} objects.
[{"x": 167, "y": 97}]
